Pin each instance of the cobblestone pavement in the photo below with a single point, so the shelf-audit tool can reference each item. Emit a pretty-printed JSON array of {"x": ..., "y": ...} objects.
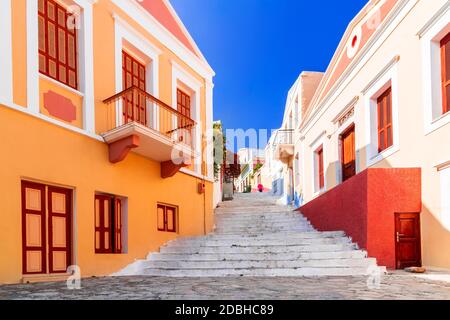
[{"x": 394, "y": 286}]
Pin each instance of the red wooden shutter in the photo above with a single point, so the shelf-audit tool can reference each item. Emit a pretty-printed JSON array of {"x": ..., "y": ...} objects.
[
  {"x": 184, "y": 107},
  {"x": 384, "y": 107},
  {"x": 118, "y": 226},
  {"x": 445, "y": 67},
  {"x": 134, "y": 107},
  {"x": 60, "y": 229},
  {"x": 33, "y": 228},
  {"x": 161, "y": 216},
  {"x": 167, "y": 218},
  {"x": 171, "y": 219},
  {"x": 184, "y": 103},
  {"x": 57, "y": 44},
  {"x": 103, "y": 224},
  {"x": 320, "y": 168}
]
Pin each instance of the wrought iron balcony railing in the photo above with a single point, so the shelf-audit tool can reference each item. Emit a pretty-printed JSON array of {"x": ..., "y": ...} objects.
[
  {"x": 284, "y": 136},
  {"x": 136, "y": 105}
]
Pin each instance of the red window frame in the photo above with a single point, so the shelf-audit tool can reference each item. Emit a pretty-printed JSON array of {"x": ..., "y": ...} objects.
[
  {"x": 184, "y": 103},
  {"x": 163, "y": 222},
  {"x": 60, "y": 60},
  {"x": 320, "y": 167},
  {"x": 133, "y": 74},
  {"x": 385, "y": 128},
  {"x": 112, "y": 230},
  {"x": 184, "y": 107},
  {"x": 445, "y": 70}
]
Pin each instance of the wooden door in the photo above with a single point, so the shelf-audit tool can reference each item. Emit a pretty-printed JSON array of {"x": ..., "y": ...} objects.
[
  {"x": 60, "y": 229},
  {"x": 183, "y": 124},
  {"x": 33, "y": 228},
  {"x": 46, "y": 228},
  {"x": 348, "y": 154},
  {"x": 407, "y": 239},
  {"x": 134, "y": 106}
]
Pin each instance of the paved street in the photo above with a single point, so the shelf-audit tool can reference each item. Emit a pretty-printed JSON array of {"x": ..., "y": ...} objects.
[{"x": 396, "y": 286}]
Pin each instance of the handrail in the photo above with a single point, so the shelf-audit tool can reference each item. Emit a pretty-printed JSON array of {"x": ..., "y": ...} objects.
[
  {"x": 164, "y": 105},
  {"x": 284, "y": 136}
]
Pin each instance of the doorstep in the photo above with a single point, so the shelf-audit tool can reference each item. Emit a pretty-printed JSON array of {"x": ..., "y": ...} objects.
[{"x": 45, "y": 278}]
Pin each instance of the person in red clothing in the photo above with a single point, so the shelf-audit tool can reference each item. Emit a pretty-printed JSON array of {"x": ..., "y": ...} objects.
[{"x": 260, "y": 187}]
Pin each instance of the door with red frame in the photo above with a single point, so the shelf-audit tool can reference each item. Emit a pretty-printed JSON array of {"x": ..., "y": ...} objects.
[
  {"x": 46, "y": 228},
  {"x": 134, "y": 105},
  {"x": 407, "y": 240},
  {"x": 183, "y": 124},
  {"x": 348, "y": 153}
]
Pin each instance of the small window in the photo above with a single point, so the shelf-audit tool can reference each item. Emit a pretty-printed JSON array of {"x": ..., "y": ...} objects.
[
  {"x": 320, "y": 168},
  {"x": 184, "y": 103},
  {"x": 57, "y": 44},
  {"x": 384, "y": 112},
  {"x": 108, "y": 224},
  {"x": 167, "y": 218},
  {"x": 445, "y": 67}
]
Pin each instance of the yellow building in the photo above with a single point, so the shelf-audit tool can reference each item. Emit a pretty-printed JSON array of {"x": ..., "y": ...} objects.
[{"x": 104, "y": 107}]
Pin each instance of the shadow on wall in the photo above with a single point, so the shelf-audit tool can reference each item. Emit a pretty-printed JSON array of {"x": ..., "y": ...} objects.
[{"x": 278, "y": 187}]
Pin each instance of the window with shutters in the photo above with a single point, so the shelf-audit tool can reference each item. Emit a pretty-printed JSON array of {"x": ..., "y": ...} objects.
[
  {"x": 57, "y": 43},
  {"x": 167, "y": 216},
  {"x": 109, "y": 218},
  {"x": 445, "y": 71},
  {"x": 384, "y": 112}
]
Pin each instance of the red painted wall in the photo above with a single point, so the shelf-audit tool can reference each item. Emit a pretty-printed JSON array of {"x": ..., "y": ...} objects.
[
  {"x": 364, "y": 207},
  {"x": 159, "y": 10}
]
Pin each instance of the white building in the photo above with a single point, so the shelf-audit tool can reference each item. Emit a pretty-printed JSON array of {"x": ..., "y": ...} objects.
[{"x": 248, "y": 159}]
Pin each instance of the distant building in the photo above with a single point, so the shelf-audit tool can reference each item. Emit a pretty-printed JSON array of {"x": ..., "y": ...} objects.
[
  {"x": 365, "y": 146},
  {"x": 249, "y": 159}
]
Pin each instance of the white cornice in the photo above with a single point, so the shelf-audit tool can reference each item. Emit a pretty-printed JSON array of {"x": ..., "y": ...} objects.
[
  {"x": 141, "y": 16},
  {"x": 441, "y": 12},
  {"x": 404, "y": 6}
]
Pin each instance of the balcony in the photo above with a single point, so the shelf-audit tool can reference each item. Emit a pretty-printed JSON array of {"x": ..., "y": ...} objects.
[
  {"x": 284, "y": 145},
  {"x": 141, "y": 123}
]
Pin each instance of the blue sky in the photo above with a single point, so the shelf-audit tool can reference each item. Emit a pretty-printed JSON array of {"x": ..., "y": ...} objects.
[{"x": 259, "y": 47}]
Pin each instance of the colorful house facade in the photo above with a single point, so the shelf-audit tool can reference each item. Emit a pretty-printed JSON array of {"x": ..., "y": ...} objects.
[
  {"x": 370, "y": 151},
  {"x": 104, "y": 110},
  {"x": 249, "y": 160}
]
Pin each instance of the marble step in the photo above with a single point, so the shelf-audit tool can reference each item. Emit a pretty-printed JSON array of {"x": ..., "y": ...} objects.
[
  {"x": 243, "y": 230},
  {"x": 260, "y": 249},
  {"x": 256, "y": 242},
  {"x": 349, "y": 254},
  {"x": 251, "y": 264},
  {"x": 263, "y": 272},
  {"x": 267, "y": 236}
]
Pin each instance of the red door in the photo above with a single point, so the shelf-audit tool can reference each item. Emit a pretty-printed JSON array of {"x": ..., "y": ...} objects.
[
  {"x": 348, "y": 154},
  {"x": 34, "y": 243},
  {"x": 407, "y": 239},
  {"x": 134, "y": 106},
  {"x": 183, "y": 123},
  {"x": 59, "y": 226},
  {"x": 46, "y": 228}
]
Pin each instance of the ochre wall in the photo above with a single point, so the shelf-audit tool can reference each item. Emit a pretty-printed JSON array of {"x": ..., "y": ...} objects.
[
  {"x": 37, "y": 151},
  {"x": 365, "y": 206}
]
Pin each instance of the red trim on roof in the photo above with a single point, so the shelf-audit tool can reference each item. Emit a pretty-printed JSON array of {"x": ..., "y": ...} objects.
[
  {"x": 367, "y": 32},
  {"x": 159, "y": 10}
]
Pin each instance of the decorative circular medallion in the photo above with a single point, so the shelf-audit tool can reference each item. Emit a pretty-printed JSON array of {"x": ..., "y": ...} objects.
[{"x": 354, "y": 42}]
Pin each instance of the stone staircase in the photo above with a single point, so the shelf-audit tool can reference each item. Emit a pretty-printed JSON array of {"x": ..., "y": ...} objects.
[{"x": 256, "y": 237}]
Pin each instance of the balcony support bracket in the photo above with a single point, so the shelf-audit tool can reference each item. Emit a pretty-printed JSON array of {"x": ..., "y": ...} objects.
[
  {"x": 169, "y": 168},
  {"x": 119, "y": 149}
]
